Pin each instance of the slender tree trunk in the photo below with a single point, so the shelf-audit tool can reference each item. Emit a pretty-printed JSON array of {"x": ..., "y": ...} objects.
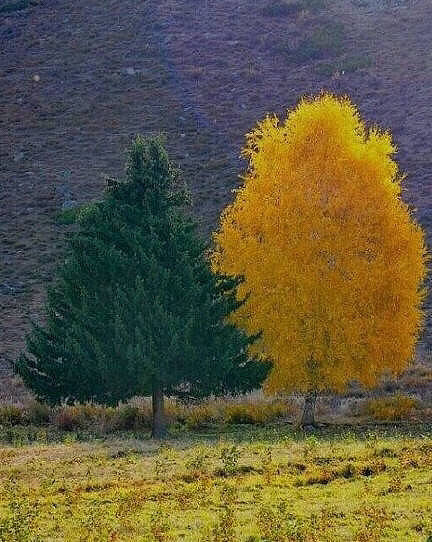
[
  {"x": 308, "y": 416},
  {"x": 159, "y": 423}
]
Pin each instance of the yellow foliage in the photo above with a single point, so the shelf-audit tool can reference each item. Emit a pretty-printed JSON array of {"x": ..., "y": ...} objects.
[{"x": 332, "y": 258}]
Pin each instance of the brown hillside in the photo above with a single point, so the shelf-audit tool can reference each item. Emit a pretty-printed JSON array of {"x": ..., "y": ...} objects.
[{"x": 78, "y": 79}]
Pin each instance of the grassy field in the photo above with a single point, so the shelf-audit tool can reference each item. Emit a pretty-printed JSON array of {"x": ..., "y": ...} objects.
[{"x": 254, "y": 484}]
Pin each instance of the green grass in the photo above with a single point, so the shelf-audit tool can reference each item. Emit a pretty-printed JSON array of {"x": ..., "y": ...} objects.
[
  {"x": 245, "y": 485},
  {"x": 67, "y": 216}
]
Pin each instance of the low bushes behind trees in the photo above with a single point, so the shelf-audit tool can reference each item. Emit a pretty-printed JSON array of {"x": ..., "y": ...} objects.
[
  {"x": 248, "y": 409},
  {"x": 137, "y": 413}
]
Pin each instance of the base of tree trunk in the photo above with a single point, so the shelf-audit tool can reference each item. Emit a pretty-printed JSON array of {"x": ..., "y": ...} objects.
[
  {"x": 307, "y": 419},
  {"x": 158, "y": 423}
]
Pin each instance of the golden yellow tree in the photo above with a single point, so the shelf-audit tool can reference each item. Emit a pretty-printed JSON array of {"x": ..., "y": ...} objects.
[{"x": 332, "y": 258}]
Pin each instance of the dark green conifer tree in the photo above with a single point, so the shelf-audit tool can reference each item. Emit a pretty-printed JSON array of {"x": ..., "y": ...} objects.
[{"x": 135, "y": 308}]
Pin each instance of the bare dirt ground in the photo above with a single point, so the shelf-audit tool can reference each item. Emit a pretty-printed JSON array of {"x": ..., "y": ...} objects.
[{"x": 79, "y": 79}]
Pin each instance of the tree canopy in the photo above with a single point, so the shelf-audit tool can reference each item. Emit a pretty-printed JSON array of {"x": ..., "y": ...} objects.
[
  {"x": 332, "y": 258},
  {"x": 135, "y": 308}
]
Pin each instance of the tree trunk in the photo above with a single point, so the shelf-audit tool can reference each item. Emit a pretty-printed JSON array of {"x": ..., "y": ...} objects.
[
  {"x": 159, "y": 424},
  {"x": 308, "y": 416}
]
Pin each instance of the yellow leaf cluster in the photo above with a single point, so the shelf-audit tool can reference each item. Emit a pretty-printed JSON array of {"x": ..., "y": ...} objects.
[{"x": 332, "y": 258}]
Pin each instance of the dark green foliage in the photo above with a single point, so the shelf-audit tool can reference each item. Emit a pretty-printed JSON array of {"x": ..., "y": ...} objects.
[
  {"x": 18, "y": 5},
  {"x": 314, "y": 5},
  {"x": 135, "y": 302},
  {"x": 10, "y": 415},
  {"x": 323, "y": 42},
  {"x": 281, "y": 8},
  {"x": 68, "y": 216}
]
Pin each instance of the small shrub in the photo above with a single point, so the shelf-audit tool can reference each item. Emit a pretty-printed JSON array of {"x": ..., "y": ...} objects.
[
  {"x": 395, "y": 484},
  {"x": 225, "y": 528},
  {"x": 127, "y": 417},
  {"x": 348, "y": 471},
  {"x": 310, "y": 446},
  {"x": 267, "y": 465},
  {"x": 10, "y": 415},
  {"x": 104, "y": 419},
  {"x": 321, "y": 478},
  {"x": 83, "y": 416},
  {"x": 391, "y": 409},
  {"x": 18, "y": 5},
  {"x": 230, "y": 457},
  {"x": 323, "y": 42},
  {"x": 314, "y": 5},
  {"x": 175, "y": 410},
  {"x": 197, "y": 464},
  {"x": 67, "y": 418},
  {"x": 278, "y": 525},
  {"x": 240, "y": 414},
  {"x": 372, "y": 468},
  {"x": 97, "y": 417},
  {"x": 256, "y": 413},
  {"x": 37, "y": 413},
  {"x": 200, "y": 417},
  {"x": 279, "y": 8}
]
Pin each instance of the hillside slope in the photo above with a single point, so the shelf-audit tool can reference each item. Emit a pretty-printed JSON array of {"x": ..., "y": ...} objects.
[{"x": 80, "y": 78}]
